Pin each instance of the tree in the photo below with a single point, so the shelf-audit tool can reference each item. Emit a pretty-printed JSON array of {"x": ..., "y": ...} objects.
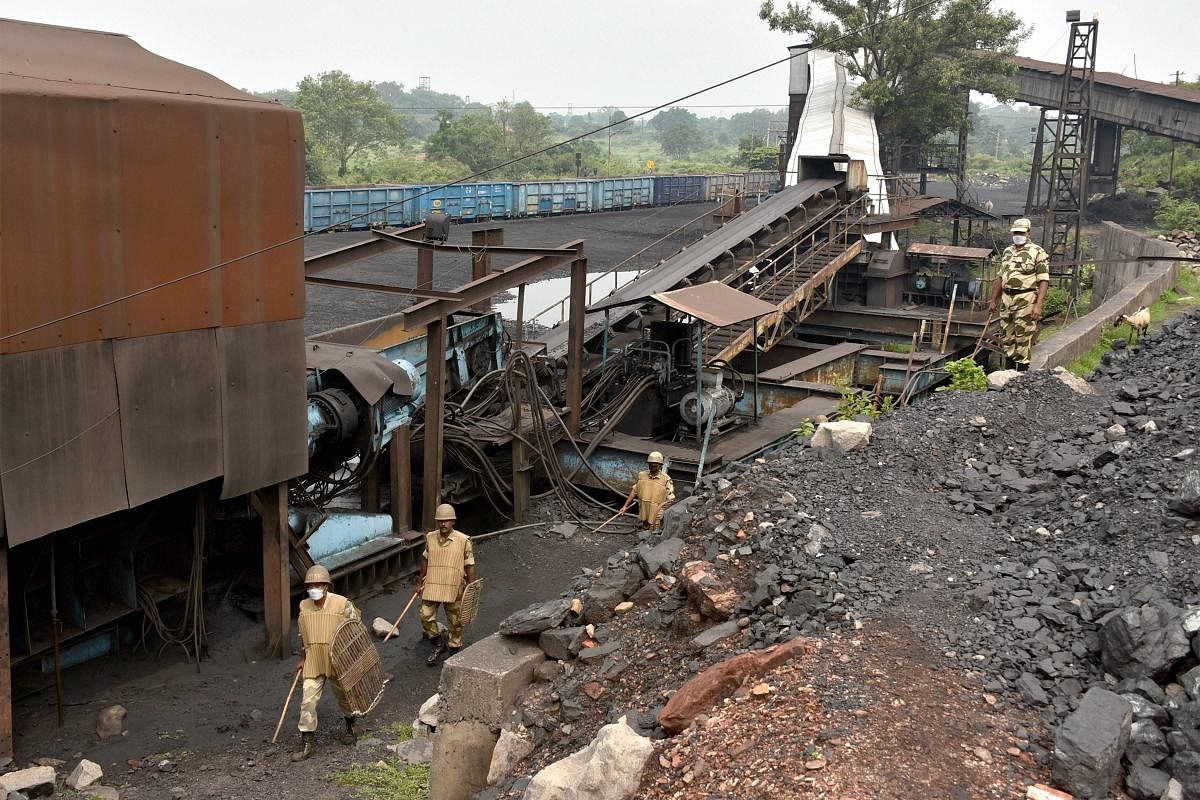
[
  {"x": 677, "y": 131},
  {"x": 345, "y": 117},
  {"x": 917, "y": 68},
  {"x": 753, "y": 154}
]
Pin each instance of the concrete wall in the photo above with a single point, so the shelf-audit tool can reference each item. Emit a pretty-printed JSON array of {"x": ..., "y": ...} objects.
[
  {"x": 1117, "y": 242},
  {"x": 1122, "y": 287}
]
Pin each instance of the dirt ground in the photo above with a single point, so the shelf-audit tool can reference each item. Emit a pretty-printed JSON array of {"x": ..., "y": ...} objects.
[
  {"x": 610, "y": 237},
  {"x": 212, "y": 727}
]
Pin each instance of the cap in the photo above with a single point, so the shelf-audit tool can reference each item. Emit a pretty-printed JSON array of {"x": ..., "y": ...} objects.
[
  {"x": 1022, "y": 225},
  {"x": 654, "y": 458},
  {"x": 444, "y": 511}
]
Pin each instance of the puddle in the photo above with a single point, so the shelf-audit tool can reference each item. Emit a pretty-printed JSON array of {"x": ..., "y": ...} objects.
[{"x": 542, "y": 294}]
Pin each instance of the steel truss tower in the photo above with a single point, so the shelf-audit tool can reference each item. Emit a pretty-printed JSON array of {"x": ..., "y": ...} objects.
[{"x": 1065, "y": 186}]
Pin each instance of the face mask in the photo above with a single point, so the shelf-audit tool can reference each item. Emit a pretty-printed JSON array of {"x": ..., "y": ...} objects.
[
  {"x": 1019, "y": 239},
  {"x": 316, "y": 594}
]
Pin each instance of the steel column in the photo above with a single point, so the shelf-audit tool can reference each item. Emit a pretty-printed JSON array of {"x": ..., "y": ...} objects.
[
  {"x": 6, "y": 735},
  {"x": 400, "y": 455},
  {"x": 369, "y": 498},
  {"x": 519, "y": 330},
  {"x": 481, "y": 260},
  {"x": 435, "y": 368},
  {"x": 277, "y": 612},
  {"x": 424, "y": 269},
  {"x": 520, "y": 467},
  {"x": 575, "y": 352}
]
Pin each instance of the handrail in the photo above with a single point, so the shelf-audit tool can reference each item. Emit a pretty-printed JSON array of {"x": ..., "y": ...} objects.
[{"x": 561, "y": 305}]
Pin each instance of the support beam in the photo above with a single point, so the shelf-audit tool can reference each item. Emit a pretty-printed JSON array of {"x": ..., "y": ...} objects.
[
  {"x": 481, "y": 260},
  {"x": 408, "y": 291},
  {"x": 369, "y": 498},
  {"x": 521, "y": 469},
  {"x": 575, "y": 352},
  {"x": 400, "y": 453},
  {"x": 425, "y": 270},
  {"x": 435, "y": 368},
  {"x": 341, "y": 256},
  {"x": 6, "y": 722},
  {"x": 277, "y": 612}
]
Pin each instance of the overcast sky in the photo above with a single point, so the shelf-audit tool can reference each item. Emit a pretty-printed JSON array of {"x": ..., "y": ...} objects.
[{"x": 583, "y": 53}]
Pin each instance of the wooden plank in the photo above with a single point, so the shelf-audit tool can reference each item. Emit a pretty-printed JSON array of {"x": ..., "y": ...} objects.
[
  {"x": 277, "y": 612},
  {"x": 785, "y": 372},
  {"x": 435, "y": 368},
  {"x": 400, "y": 453}
]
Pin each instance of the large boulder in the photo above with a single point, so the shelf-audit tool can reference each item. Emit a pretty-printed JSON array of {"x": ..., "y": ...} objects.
[
  {"x": 1143, "y": 642},
  {"x": 32, "y": 782},
  {"x": 1185, "y": 768},
  {"x": 562, "y": 643},
  {"x": 999, "y": 379},
  {"x": 704, "y": 691},
  {"x": 536, "y": 618},
  {"x": 85, "y": 774},
  {"x": 610, "y": 588},
  {"x": 1187, "y": 502},
  {"x": 714, "y": 598},
  {"x": 662, "y": 557},
  {"x": 110, "y": 722},
  {"x": 1146, "y": 745},
  {"x": 1089, "y": 745},
  {"x": 510, "y": 748},
  {"x": 609, "y": 768},
  {"x": 841, "y": 436},
  {"x": 1146, "y": 783}
]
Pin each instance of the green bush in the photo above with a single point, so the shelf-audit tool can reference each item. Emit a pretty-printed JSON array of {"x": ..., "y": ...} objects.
[
  {"x": 965, "y": 375},
  {"x": 1055, "y": 302},
  {"x": 385, "y": 781},
  {"x": 1175, "y": 214},
  {"x": 855, "y": 402}
]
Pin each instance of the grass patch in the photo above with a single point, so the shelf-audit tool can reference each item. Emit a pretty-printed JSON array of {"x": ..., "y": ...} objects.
[
  {"x": 403, "y": 731},
  {"x": 897, "y": 347},
  {"x": 385, "y": 780},
  {"x": 1180, "y": 298}
]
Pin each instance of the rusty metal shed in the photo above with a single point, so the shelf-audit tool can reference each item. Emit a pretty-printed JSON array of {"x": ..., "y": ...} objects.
[{"x": 133, "y": 364}]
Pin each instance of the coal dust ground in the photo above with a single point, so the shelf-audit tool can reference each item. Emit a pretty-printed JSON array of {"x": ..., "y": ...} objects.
[
  {"x": 609, "y": 238},
  {"x": 213, "y": 726}
]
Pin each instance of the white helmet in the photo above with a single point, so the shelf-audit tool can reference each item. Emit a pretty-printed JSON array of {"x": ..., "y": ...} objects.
[{"x": 654, "y": 458}]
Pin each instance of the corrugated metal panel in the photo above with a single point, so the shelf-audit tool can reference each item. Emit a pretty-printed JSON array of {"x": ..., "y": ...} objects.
[
  {"x": 169, "y": 390},
  {"x": 115, "y": 172},
  {"x": 612, "y": 194},
  {"x": 953, "y": 251},
  {"x": 60, "y": 441},
  {"x": 715, "y": 303},
  {"x": 263, "y": 405},
  {"x": 671, "y": 189},
  {"x": 551, "y": 197},
  {"x": 469, "y": 201}
]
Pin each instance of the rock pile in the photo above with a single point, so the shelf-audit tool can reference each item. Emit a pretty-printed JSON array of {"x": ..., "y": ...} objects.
[{"x": 1046, "y": 539}]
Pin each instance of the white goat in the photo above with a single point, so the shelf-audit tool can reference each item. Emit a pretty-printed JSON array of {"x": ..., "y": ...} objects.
[{"x": 1138, "y": 320}]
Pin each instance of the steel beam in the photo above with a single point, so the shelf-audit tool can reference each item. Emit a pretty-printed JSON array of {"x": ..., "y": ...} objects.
[
  {"x": 435, "y": 368},
  {"x": 481, "y": 259},
  {"x": 6, "y": 726},
  {"x": 342, "y": 256},
  {"x": 503, "y": 250},
  {"x": 501, "y": 280},
  {"x": 575, "y": 351},
  {"x": 425, "y": 270},
  {"x": 409, "y": 291},
  {"x": 400, "y": 453},
  {"x": 277, "y": 612}
]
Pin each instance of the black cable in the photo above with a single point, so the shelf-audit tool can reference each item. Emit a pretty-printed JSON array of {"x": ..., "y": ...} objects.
[{"x": 432, "y": 189}]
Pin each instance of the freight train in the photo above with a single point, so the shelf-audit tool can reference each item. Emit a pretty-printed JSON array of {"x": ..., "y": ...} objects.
[{"x": 362, "y": 207}]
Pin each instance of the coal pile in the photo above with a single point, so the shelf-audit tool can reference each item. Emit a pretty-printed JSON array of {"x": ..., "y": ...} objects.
[{"x": 1046, "y": 539}]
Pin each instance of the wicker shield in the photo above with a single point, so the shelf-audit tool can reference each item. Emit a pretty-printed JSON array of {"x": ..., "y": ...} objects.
[
  {"x": 469, "y": 604},
  {"x": 356, "y": 666}
]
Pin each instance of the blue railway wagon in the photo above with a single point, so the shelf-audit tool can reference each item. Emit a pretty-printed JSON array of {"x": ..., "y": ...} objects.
[
  {"x": 467, "y": 202},
  {"x": 762, "y": 182},
  {"x": 672, "y": 189},
  {"x": 359, "y": 208},
  {"x": 539, "y": 198},
  {"x": 714, "y": 185},
  {"x": 611, "y": 194}
]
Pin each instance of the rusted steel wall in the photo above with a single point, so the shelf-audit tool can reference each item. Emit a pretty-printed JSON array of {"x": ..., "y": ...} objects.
[{"x": 123, "y": 170}]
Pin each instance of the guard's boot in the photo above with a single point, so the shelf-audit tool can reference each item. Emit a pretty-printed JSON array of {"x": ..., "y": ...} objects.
[
  {"x": 438, "y": 645},
  {"x": 348, "y": 736},
  {"x": 308, "y": 745},
  {"x": 451, "y": 652}
]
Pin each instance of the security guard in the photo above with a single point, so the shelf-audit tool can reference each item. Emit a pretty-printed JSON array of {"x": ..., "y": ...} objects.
[
  {"x": 321, "y": 614},
  {"x": 1020, "y": 291},
  {"x": 448, "y": 559},
  {"x": 653, "y": 490}
]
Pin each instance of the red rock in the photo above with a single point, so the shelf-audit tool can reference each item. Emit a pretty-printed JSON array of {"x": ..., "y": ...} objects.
[
  {"x": 593, "y": 690},
  {"x": 1040, "y": 791},
  {"x": 706, "y": 690},
  {"x": 711, "y": 596}
]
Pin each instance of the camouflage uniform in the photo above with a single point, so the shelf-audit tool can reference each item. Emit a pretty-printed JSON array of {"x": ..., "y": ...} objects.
[{"x": 1021, "y": 270}]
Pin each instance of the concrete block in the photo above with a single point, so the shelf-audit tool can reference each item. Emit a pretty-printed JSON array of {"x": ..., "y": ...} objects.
[
  {"x": 34, "y": 781},
  {"x": 462, "y": 754},
  {"x": 482, "y": 682}
]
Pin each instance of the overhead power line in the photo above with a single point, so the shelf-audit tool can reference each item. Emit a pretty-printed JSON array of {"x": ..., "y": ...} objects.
[{"x": 478, "y": 174}]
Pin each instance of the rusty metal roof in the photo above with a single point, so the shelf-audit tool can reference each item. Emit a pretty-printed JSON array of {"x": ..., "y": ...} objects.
[
  {"x": 949, "y": 250},
  {"x": 1117, "y": 80},
  {"x": 715, "y": 303}
]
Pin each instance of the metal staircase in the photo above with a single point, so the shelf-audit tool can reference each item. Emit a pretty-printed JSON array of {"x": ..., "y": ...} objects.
[{"x": 797, "y": 282}]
